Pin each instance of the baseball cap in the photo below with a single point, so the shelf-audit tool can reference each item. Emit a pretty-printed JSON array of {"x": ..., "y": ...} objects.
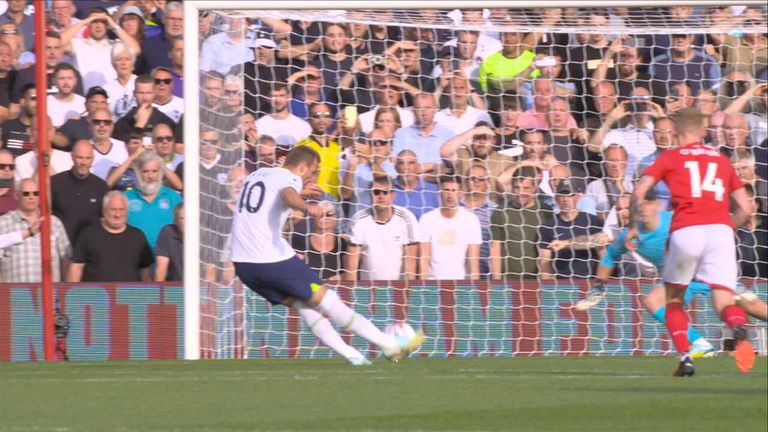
[
  {"x": 565, "y": 188},
  {"x": 96, "y": 90},
  {"x": 262, "y": 39},
  {"x": 133, "y": 10}
]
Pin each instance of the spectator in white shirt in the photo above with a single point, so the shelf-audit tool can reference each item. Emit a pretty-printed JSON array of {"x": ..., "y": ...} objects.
[
  {"x": 451, "y": 237},
  {"x": 286, "y": 128},
  {"x": 383, "y": 244},
  {"x": 605, "y": 191},
  {"x": 93, "y": 55},
  {"x": 463, "y": 56},
  {"x": 26, "y": 164},
  {"x": 637, "y": 136},
  {"x": 65, "y": 104},
  {"x": 108, "y": 152},
  {"x": 120, "y": 89},
  {"x": 164, "y": 142},
  {"x": 164, "y": 100},
  {"x": 459, "y": 117},
  {"x": 386, "y": 96},
  {"x": 487, "y": 43}
]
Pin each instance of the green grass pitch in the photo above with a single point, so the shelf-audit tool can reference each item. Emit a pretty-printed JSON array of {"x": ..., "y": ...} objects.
[{"x": 457, "y": 394}]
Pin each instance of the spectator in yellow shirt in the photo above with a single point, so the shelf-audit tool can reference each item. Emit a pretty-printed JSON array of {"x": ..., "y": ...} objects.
[{"x": 321, "y": 119}]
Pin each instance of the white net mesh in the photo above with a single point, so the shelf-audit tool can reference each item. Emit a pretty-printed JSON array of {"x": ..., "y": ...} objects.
[{"x": 514, "y": 105}]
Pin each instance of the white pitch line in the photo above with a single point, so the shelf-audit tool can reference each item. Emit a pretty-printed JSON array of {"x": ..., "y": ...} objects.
[{"x": 356, "y": 377}]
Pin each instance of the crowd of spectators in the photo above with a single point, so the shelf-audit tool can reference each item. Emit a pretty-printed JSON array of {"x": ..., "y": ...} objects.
[{"x": 445, "y": 154}]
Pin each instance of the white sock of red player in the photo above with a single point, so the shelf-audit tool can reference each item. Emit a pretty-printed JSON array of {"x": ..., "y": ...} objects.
[{"x": 323, "y": 330}]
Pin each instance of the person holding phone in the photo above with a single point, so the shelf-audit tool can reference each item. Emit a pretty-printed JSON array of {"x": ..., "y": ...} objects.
[
  {"x": 637, "y": 136},
  {"x": 364, "y": 161},
  {"x": 621, "y": 66},
  {"x": 679, "y": 97}
]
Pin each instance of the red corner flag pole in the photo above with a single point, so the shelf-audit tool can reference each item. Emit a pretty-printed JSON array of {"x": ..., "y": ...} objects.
[{"x": 43, "y": 160}]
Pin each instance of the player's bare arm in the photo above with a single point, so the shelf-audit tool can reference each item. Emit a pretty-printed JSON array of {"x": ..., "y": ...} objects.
[
  {"x": 582, "y": 242},
  {"x": 292, "y": 199},
  {"x": 641, "y": 188}
]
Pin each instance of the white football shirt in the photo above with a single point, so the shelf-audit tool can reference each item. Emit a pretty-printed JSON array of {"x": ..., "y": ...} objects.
[
  {"x": 259, "y": 216},
  {"x": 286, "y": 132},
  {"x": 382, "y": 243}
]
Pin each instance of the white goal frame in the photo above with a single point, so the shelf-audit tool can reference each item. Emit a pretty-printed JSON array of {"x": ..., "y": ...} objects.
[{"x": 192, "y": 103}]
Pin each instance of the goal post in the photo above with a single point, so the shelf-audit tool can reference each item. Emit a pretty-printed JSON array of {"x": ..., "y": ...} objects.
[{"x": 478, "y": 310}]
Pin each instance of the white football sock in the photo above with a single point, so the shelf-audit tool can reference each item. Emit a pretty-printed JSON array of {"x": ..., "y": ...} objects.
[
  {"x": 727, "y": 332},
  {"x": 347, "y": 319},
  {"x": 323, "y": 330}
]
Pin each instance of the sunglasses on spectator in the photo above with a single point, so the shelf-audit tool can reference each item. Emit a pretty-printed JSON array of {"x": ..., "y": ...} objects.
[
  {"x": 9, "y": 32},
  {"x": 321, "y": 115},
  {"x": 101, "y": 122},
  {"x": 167, "y": 138},
  {"x": 380, "y": 142},
  {"x": 378, "y": 192},
  {"x": 166, "y": 81},
  {"x": 484, "y": 137},
  {"x": 7, "y": 166},
  {"x": 30, "y": 193}
]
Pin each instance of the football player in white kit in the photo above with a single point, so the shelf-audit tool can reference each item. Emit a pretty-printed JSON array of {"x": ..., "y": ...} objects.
[{"x": 266, "y": 263}]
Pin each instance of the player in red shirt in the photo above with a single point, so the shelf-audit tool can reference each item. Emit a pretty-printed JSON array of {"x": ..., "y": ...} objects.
[{"x": 701, "y": 244}]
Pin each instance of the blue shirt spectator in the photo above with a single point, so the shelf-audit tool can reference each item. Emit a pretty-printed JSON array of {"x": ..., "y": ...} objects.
[
  {"x": 226, "y": 49},
  {"x": 683, "y": 64},
  {"x": 151, "y": 217},
  {"x": 419, "y": 199},
  {"x": 426, "y": 147},
  {"x": 425, "y": 137},
  {"x": 26, "y": 25},
  {"x": 150, "y": 203},
  {"x": 483, "y": 213}
]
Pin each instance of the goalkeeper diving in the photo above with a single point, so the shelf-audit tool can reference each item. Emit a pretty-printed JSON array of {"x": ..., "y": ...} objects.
[{"x": 653, "y": 227}]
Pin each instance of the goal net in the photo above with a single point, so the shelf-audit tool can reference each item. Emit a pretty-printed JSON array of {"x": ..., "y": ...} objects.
[{"x": 475, "y": 164}]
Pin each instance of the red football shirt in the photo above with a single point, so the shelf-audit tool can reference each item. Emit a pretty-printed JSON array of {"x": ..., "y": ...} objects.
[{"x": 700, "y": 180}]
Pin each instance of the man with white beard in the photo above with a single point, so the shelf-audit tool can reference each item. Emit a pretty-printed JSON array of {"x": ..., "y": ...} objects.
[{"x": 150, "y": 203}]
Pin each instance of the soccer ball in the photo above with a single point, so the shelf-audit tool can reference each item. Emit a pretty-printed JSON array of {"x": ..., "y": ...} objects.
[{"x": 400, "y": 331}]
